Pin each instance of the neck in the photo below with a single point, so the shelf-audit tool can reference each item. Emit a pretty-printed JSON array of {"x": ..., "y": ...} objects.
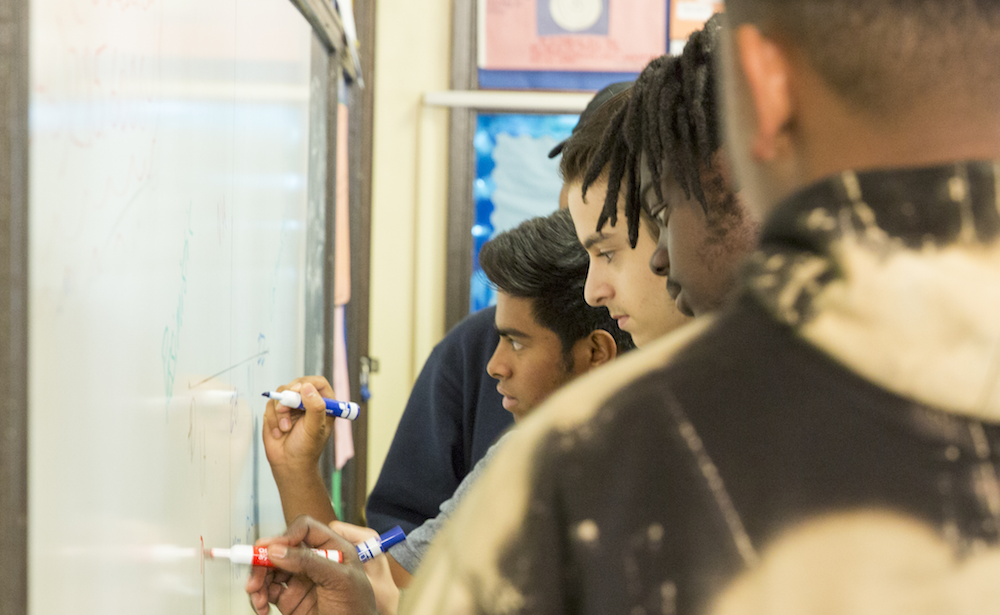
[{"x": 924, "y": 140}]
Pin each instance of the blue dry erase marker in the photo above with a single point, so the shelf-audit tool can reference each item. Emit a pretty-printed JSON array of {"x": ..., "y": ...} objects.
[
  {"x": 377, "y": 546},
  {"x": 291, "y": 399}
]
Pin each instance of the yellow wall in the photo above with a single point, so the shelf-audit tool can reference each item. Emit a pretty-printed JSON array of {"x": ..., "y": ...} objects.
[{"x": 409, "y": 199}]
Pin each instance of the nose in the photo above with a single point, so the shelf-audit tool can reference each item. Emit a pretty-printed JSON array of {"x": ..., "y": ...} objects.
[
  {"x": 596, "y": 290},
  {"x": 659, "y": 262},
  {"x": 498, "y": 367}
]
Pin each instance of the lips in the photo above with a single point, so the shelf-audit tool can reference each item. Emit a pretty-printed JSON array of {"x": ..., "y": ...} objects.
[
  {"x": 508, "y": 401},
  {"x": 621, "y": 319},
  {"x": 673, "y": 289}
]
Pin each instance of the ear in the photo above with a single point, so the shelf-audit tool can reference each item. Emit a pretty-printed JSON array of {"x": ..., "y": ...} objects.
[
  {"x": 766, "y": 71},
  {"x": 600, "y": 348}
]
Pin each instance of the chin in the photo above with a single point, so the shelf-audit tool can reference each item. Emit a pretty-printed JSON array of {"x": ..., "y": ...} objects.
[
  {"x": 519, "y": 414},
  {"x": 639, "y": 339}
]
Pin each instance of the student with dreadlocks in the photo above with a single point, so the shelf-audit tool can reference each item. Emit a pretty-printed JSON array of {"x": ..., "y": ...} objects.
[
  {"x": 619, "y": 276},
  {"x": 664, "y": 152}
]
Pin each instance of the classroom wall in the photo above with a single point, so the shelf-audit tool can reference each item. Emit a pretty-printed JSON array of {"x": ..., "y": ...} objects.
[{"x": 409, "y": 205}]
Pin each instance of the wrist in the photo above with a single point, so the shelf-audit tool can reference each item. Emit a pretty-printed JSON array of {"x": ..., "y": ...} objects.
[{"x": 296, "y": 476}]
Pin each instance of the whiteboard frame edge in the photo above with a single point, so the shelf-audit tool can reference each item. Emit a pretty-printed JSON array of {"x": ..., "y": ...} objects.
[{"x": 14, "y": 161}]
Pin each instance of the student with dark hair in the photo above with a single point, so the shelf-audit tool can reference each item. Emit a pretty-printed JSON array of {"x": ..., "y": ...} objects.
[
  {"x": 454, "y": 414},
  {"x": 619, "y": 276},
  {"x": 548, "y": 336},
  {"x": 539, "y": 271},
  {"x": 664, "y": 151}
]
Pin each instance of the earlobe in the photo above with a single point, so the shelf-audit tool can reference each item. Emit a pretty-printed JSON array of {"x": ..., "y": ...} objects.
[{"x": 765, "y": 70}]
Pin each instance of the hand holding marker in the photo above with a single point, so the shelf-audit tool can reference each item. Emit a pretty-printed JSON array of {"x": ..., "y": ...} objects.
[
  {"x": 257, "y": 556},
  {"x": 342, "y": 409}
]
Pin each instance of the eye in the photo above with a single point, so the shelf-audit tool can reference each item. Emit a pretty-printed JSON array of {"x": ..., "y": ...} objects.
[
  {"x": 607, "y": 254},
  {"x": 660, "y": 214},
  {"x": 516, "y": 345}
]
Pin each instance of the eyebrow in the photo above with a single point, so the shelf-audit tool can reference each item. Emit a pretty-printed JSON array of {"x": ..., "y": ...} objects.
[
  {"x": 593, "y": 240},
  {"x": 507, "y": 332}
]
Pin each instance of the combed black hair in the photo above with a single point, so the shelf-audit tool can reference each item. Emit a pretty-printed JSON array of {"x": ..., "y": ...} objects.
[
  {"x": 671, "y": 118},
  {"x": 542, "y": 260},
  {"x": 883, "y": 56},
  {"x": 580, "y": 148}
]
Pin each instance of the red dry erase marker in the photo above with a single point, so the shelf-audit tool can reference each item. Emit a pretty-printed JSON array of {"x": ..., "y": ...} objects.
[{"x": 257, "y": 556}]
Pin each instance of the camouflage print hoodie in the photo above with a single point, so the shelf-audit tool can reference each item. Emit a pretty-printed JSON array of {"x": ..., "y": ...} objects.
[{"x": 828, "y": 443}]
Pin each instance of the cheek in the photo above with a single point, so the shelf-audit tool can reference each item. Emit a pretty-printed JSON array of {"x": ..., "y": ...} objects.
[{"x": 685, "y": 240}]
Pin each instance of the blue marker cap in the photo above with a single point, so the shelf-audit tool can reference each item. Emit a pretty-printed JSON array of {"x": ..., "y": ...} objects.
[
  {"x": 393, "y": 537},
  {"x": 377, "y": 546}
]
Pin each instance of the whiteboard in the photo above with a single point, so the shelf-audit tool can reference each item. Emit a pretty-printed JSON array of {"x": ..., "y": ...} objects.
[{"x": 169, "y": 146}]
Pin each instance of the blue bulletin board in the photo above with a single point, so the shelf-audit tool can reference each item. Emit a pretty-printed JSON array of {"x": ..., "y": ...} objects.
[{"x": 515, "y": 180}]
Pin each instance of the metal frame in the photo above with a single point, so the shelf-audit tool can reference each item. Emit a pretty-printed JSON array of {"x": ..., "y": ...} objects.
[
  {"x": 327, "y": 63},
  {"x": 14, "y": 100},
  {"x": 329, "y": 29},
  {"x": 360, "y": 128},
  {"x": 328, "y": 59},
  {"x": 320, "y": 220},
  {"x": 318, "y": 212},
  {"x": 461, "y": 164}
]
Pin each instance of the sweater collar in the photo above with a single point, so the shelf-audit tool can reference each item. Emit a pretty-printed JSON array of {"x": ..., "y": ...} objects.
[{"x": 896, "y": 275}]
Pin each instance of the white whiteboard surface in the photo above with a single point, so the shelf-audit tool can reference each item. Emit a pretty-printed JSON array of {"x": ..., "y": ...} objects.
[{"x": 169, "y": 150}]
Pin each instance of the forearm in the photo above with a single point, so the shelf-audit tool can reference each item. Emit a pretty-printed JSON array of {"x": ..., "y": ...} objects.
[{"x": 304, "y": 493}]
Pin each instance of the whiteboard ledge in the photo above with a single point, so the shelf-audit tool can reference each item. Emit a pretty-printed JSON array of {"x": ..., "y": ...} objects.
[{"x": 538, "y": 102}]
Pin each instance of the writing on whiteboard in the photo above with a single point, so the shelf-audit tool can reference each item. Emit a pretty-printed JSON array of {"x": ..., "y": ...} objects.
[{"x": 172, "y": 332}]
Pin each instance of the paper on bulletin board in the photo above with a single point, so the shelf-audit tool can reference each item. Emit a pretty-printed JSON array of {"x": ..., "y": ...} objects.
[
  {"x": 343, "y": 436},
  {"x": 688, "y": 16},
  {"x": 571, "y": 35},
  {"x": 342, "y": 223}
]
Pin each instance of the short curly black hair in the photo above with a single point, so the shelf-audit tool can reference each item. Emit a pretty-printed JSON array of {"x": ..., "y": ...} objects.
[{"x": 883, "y": 56}]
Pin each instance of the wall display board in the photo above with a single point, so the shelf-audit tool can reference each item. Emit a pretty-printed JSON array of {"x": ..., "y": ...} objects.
[
  {"x": 170, "y": 156},
  {"x": 687, "y": 16},
  {"x": 567, "y": 44},
  {"x": 515, "y": 180}
]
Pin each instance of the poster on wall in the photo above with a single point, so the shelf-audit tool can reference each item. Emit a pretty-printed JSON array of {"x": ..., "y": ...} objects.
[
  {"x": 567, "y": 44},
  {"x": 687, "y": 16}
]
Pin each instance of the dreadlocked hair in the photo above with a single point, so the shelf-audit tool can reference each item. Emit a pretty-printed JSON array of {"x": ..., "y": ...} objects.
[{"x": 671, "y": 118}]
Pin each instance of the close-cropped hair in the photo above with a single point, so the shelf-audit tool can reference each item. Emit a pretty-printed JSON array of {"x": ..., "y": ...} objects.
[
  {"x": 542, "y": 260},
  {"x": 883, "y": 55},
  {"x": 671, "y": 118},
  {"x": 579, "y": 150}
]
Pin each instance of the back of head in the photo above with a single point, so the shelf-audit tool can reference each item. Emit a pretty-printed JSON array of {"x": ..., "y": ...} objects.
[
  {"x": 671, "y": 120},
  {"x": 883, "y": 56},
  {"x": 542, "y": 260}
]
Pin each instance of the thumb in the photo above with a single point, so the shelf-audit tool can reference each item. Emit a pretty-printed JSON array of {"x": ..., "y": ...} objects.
[
  {"x": 341, "y": 588},
  {"x": 315, "y": 417}
]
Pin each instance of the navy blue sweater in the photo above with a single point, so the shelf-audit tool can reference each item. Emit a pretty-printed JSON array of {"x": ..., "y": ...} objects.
[{"x": 452, "y": 417}]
